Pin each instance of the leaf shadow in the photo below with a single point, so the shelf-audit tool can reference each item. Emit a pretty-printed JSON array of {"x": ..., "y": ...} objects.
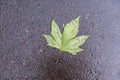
[{"x": 58, "y": 71}]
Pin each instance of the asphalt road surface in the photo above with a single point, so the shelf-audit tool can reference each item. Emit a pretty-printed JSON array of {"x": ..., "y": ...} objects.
[{"x": 24, "y": 54}]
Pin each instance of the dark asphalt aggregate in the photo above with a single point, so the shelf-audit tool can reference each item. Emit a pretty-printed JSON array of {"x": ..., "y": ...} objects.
[{"x": 24, "y": 54}]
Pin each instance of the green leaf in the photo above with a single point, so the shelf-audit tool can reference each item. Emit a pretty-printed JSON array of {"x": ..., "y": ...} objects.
[
  {"x": 67, "y": 41},
  {"x": 74, "y": 51},
  {"x": 55, "y": 33},
  {"x": 82, "y": 39},
  {"x": 70, "y": 30},
  {"x": 51, "y": 42},
  {"x": 72, "y": 46}
]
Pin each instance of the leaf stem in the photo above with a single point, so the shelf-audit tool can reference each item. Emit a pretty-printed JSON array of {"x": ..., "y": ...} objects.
[{"x": 58, "y": 57}]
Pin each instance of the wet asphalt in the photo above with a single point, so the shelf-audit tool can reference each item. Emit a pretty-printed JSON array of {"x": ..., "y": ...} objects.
[{"x": 24, "y": 54}]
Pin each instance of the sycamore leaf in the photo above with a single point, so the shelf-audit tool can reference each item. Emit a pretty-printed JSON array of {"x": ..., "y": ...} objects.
[
  {"x": 55, "y": 33},
  {"x": 67, "y": 41},
  {"x": 70, "y": 30},
  {"x": 73, "y": 51},
  {"x": 51, "y": 42},
  {"x": 72, "y": 46},
  {"x": 81, "y": 39}
]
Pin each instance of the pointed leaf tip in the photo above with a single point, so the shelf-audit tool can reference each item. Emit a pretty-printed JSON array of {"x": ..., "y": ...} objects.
[
  {"x": 82, "y": 39},
  {"x": 55, "y": 33},
  {"x": 70, "y": 30}
]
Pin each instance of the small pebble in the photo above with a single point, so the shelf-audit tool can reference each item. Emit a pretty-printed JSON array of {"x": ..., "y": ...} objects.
[
  {"x": 117, "y": 28},
  {"x": 26, "y": 31},
  {"x": 87, "y": 16},
  {"x": 41, "y": 50},
  {"x": 23, "y": 63}
]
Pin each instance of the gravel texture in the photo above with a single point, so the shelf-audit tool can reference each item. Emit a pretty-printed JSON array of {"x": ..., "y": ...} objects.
[{"x": 24, "y": 54}]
